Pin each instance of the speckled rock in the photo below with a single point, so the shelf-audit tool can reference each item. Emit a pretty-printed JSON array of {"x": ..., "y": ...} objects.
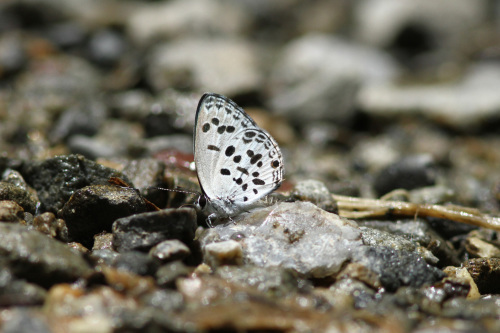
[
  {"x": 298, "y": 236},
  {"x": 14, "y": 188},
  {"x": 56, "y": 179},
  {"x": 398, "y": 268},
  {"x": 419, "y": 232}
]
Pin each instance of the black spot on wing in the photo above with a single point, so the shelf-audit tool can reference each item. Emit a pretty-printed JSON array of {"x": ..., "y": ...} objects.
[
  {"x": 230, "y": 129},
  {"x": 221, "y": 129},
  {"x": 230, "y": 151},
  {"x": 255, "y": 158},
  {"x": 215, "y": 121},
  {"x": 243, "y": 170},
  {"x": 237, "y": 159},
  {"x": 225, "y": 172},
  {"x": 205, "y": 128},
  {"x": 258, "y": 181}
]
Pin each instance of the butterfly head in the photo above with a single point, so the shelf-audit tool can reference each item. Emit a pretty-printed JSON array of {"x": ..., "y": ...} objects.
[{"x": 201, "y": 203}]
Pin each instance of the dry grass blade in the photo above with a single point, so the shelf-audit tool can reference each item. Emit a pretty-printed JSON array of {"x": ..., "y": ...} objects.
[{"x": 351, "y": 207}]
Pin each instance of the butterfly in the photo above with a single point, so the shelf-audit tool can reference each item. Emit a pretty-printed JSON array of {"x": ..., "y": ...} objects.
[{"x": 237, "y": 162}]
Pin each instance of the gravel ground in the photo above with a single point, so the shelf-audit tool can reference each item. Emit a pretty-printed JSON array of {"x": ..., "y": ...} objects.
[{"x": 386, "y": 114}]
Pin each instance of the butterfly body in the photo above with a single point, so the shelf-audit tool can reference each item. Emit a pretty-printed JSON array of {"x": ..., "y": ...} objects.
[{"x": 237, "y": 162}]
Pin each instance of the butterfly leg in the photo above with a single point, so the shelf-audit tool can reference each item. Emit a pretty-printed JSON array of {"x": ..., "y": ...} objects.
[{"x": 209, "y": 220}]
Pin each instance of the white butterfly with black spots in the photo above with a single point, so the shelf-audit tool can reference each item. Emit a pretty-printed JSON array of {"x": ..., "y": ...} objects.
[{"x": 237, "y": 162}]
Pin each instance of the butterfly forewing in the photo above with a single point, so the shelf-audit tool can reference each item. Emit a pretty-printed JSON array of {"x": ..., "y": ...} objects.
[{"x": 235, "y": 159}]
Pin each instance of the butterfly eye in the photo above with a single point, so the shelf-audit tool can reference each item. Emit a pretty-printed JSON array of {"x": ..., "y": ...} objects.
[{"x": 202, "y": 201}]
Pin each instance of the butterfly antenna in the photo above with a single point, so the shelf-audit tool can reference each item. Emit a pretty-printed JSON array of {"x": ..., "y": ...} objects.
[{"x": 177, "y": 189}]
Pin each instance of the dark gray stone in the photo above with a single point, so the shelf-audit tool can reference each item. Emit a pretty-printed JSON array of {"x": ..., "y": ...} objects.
[
  {"x": 22, "y": 197},
  {"x": 18, "y": 292},
  {"x": 278, "y": 281},
  {"x": 104, "y": 256},
  {"x": 167, "y": 274},
  {"x": 146, "y": 174},
  {"x": 93, "y": 209},
  {"x": 143, "y": 231},
  {"x": 418, "y": 232},
  {"x": 38, "y": 258},
  {"x": 56, "y": 179},
  {"x": 84, "y": 118},
  {"x": 22, "y": 320},
  {"x": 397, "y": 268},
  {"x": 136, "y": 262},
  {"x": 408, "y": 173}
]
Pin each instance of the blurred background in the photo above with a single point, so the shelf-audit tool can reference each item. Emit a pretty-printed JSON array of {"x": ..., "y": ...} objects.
[{"x": 366, "y": 96}]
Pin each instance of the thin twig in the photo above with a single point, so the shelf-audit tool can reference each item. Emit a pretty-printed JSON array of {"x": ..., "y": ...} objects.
[{"x": 351, "y": 207}]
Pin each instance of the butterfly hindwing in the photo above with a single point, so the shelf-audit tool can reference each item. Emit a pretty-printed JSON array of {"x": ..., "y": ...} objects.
[{"x": 235, "y": 159}]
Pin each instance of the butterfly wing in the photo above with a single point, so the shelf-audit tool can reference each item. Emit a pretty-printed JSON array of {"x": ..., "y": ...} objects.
[{"x": 235, "y": 159}]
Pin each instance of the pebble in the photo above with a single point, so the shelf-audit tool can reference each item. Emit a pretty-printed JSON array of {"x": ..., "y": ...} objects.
[
  {"x": 170, "y": 250},
  {"x": 11, "y": 212},
  {"x": 485, "y": 271},
  {"x": 56, "y": 179},
  {"x": 397, "y": 268},
  {"x": 175, "y": 18},
  {"x": 298, "y": 236},
  {"x": 38, "y": 258},
  {"x": 226, "y": 66},
  {"x": 408, "y": 173},
  {"x": 20, "y": 195},
  {"x": 317, "y": 71},
  {"x": 227, "y": 252},
  {"x": 143, "y": 231},
  {"x": 316, "y": 192},
  {"x": 465, "y": 105},
  {"x": 167, "y": 274},
  {"x": 93, "y": 209},
  {"x": 84, "y": 118},
  {"x": 48, "y": 224}
]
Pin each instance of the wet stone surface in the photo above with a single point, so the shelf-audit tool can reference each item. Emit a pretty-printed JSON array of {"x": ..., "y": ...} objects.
[{"x": 386, "y": 115}]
